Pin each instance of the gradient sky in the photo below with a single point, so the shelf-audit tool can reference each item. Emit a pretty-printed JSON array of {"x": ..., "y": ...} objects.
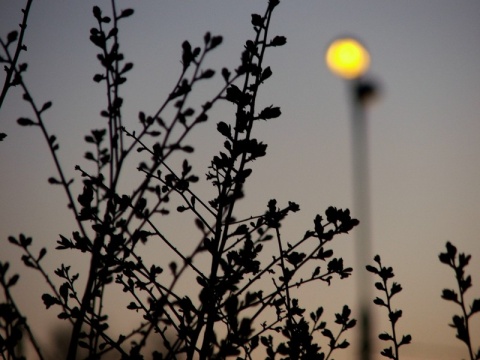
[{"x": 424, "y": 129}]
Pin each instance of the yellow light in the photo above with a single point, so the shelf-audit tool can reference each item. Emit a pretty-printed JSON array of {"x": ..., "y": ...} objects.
[{"x": 347, "y": 58}]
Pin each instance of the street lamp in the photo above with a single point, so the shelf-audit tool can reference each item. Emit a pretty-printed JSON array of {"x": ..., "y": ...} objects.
[{"x": 348, "y": 58}]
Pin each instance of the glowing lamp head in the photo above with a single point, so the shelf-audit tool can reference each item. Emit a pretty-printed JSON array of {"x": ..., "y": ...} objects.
[{"x": 347, "y": 58}]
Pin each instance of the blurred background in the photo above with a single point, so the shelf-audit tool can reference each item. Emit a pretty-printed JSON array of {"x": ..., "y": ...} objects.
[{"x": 423, "y": 129}]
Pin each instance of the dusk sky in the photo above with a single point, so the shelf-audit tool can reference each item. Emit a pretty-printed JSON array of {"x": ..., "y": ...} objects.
[{"x": 424, "y": 132}]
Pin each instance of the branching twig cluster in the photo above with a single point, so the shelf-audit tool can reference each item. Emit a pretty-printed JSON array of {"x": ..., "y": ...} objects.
[
  {"x": 240, "y": 300},
  {"x": 243, "y": 300},
  {"x": 386, "y": 273},
  {"x": 11, "y": 58},
  {"x": 458, "y": 262}
]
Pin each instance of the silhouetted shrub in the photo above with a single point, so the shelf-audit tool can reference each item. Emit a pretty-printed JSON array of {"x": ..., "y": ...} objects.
[
  {"x": 240, "y": 302},
  {"x": 244, "y": 302}
]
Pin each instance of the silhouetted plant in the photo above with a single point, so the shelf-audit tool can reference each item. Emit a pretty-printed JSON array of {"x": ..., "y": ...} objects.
[
  {"x": 458, "y": 262},
  {"x": 11, "y": 322},
  {"x": 243, "y": 300},
  {"x": 386, "y": 273},
  {"x": 11, "y": 58}
]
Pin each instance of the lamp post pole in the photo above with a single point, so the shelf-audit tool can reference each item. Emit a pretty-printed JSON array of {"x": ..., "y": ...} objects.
[
  {"x": 347, "y": 58},
  {"x": 360, "y": 93}
]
